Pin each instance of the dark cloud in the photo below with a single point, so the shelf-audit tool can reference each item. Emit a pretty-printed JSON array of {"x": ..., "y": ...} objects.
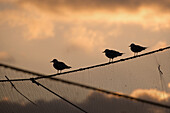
[
  {"x": 95, "y": 103},
  {"x": 93, "y": 5}
]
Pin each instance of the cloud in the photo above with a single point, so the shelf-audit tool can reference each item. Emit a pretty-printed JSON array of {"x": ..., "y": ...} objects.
[
  {"x": 148, "y": 13},
  {"x": 4, "y": 56},
  {"x": 91, "y": 21},
  {"x": 160, "y": 44},
  {"x": 33, "y": 23},
  {"x": 95, "y": 103},
  {"x": 168, "y": 85},
  {"x": 151, "y": 94},
  {"x": 5, "y": 99},
  {"x": 110, "y": 5},
  {"x": 39, "y": 19},
  {"x": 85, "y": 38},
  {"x": 9, "y": 1}
]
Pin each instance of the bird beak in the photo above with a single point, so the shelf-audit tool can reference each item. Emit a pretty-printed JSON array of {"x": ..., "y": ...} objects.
[
  {"x": 51, "y": 61},
  {"x": 103, "y": 52}
]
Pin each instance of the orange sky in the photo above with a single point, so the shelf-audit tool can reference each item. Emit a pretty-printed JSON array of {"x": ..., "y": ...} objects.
[{"x": 34, "y": 31}]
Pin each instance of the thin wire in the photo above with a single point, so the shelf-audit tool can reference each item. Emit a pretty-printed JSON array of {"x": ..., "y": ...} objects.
[
  {"x": 85, "y": 86},
  {"x": 82, "y": 69},
  {"x": 161, "y": 76},
  {"x": 19, "y": 91},
  {"x": 108, "y": 92},
  {"x": 104, "y": 64},
  {"x": 33, "y": 80},
  {"x": 162, "y": 81}
]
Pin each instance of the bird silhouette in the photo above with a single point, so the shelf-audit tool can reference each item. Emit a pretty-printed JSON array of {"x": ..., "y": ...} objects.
[
  {"x": 136, "y": 48},
  {"x": 112, "y": 54},
  {"x": 59, "y": 66}
]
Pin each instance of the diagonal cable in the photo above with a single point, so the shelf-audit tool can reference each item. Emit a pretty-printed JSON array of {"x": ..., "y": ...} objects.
[
  {"x": 82, "y": 69},
  {"x": 105, "y": 91},
  {"x": 33, "y": 80},
  {"x": 19, "y": 91},
  {"x": 85, "y": 86}
]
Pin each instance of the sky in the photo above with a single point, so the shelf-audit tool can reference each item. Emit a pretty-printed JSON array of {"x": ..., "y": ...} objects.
[{"x": 33, "y": 32}]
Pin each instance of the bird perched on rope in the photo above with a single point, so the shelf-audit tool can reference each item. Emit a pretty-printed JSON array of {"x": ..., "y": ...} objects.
[
  {"x": 136, "y": 48},
  {"x": 59, "y": 66},
  {"x": 112, "y": 54}
]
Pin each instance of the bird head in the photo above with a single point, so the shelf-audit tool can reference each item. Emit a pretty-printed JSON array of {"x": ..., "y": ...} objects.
[
  {"x": 106, "y": 50},
  {"x": 54, "y": 60},
  {"x": 131, "y": 45}
]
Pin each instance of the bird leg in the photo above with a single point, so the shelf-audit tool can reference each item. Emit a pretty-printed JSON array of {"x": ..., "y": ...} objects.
[
  {"x": 59, "y": 71},
  {"x": 135, "y": 54}
]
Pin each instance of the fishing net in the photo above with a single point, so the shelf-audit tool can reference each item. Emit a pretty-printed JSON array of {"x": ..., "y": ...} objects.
[{"x": 146, "y": 78}]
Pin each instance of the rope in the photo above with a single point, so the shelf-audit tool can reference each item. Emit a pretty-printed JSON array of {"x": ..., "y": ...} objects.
[
  {"x": 33, "y": 80},
  {"x": 162, "y": 81},
  {"x": 86, "y": 86},
  {"x": 19, "y": 91},
  {"x": 103, "y": 91},
  {"x": 82, "y": 69}
]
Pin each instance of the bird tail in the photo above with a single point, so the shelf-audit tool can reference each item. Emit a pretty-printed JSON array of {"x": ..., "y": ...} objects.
[
  {"x": 121, "y": 54},
  {"x": 68, "y": 67},
  {"x": 145, "y": 48}
]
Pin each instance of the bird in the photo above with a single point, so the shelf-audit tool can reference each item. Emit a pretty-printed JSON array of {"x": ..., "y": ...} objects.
[
  {"x": 136, "y": 48},
  {"x": 59, "y": 66},
  {"x": 112, "y": 54}
]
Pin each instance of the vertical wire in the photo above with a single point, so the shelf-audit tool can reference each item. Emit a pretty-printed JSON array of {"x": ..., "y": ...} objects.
[{"x": 162, "y": 81}]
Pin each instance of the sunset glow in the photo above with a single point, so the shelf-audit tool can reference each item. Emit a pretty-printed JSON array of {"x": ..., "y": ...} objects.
[{"x": 77, "y": 33}]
